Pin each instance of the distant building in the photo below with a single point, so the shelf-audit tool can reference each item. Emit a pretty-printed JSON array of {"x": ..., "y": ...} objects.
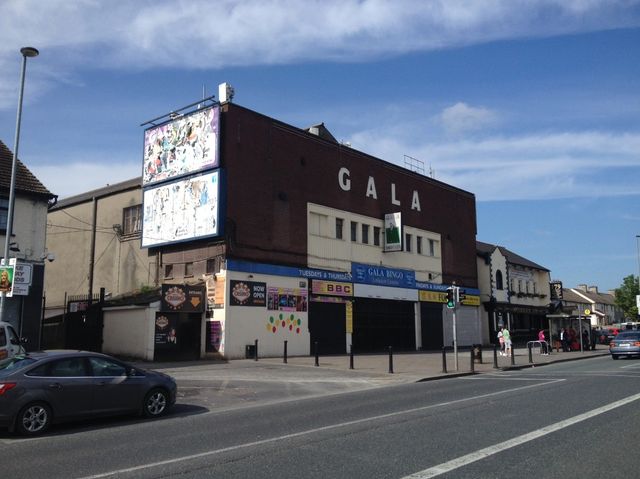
[
  {"x": 27, "y": 244},
  {"x": 514, "y": 292},
  {"x": 587, "y": 301}
]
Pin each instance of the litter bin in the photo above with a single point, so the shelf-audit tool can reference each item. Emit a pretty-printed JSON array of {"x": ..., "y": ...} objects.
[
  {"x": 476, "y": 350},
  {"x": 250, "y": 351}
]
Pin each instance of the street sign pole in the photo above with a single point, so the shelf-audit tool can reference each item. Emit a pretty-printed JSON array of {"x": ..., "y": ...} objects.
[{"x": 455, "y": 329}]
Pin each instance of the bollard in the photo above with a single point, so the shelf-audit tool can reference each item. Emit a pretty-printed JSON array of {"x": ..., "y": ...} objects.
[
  {"x": 316, "y": 352},
  {"x": 444, "y": 359},
  {"x": 513, "y": 356},
  {"x": 256, "y": 358},
  {"x": 351, "y": 356},
  {"x": 390, "y": 360},
  {"x": 285, "y": 352},
  {"x": 473, "y": 368},
  {"x": 530, "y": 353},
  {"x": 495, "y": 356}
]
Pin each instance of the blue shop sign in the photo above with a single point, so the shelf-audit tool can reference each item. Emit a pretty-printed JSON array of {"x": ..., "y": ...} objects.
[
  {"x": 271, "y": 269},
  {"x": 370, "y": 274}
]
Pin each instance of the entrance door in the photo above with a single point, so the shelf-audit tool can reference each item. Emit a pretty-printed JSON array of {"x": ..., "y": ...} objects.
[
  {"x": 327, "y": 327},
  {"x": 431, "y": 322},
  {"x": 380, "y": 323}
]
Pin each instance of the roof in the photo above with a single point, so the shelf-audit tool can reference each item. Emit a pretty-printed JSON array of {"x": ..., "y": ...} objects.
[
  {"x": 598, "y": 298},
  {"x": 99, "y": 193},
  {"x": 512, "y": 258},
  {"x": 26, "y": 182}
]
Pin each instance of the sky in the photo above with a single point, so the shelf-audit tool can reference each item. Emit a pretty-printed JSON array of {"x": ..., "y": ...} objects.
[{"x": 532, "y": 105}]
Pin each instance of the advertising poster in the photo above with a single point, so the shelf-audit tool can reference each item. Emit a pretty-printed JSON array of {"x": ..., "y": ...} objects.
[
  {"x": 183, "y": 146},
  {"x": 6, "y": 280},
  {"x": 166, "y": 330},
  {"x": 214, "y": 336},
  {"x": 248, "y": 293},
  {"x": 393, "y": 232},
  {"x": 182, "y": 210},
  {"x": 287, "y": 299},
  {"x": 184, "y": 298}
]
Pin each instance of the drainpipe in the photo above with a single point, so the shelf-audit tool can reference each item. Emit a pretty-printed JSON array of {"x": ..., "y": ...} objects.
[{"x": 93, "y": 248}]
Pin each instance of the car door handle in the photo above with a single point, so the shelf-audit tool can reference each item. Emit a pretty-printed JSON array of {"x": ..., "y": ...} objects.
[{"x": 55, "y": 386}]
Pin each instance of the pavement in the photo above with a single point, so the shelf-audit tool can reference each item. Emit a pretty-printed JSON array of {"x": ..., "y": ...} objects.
[{"x": 216, "y": 385}]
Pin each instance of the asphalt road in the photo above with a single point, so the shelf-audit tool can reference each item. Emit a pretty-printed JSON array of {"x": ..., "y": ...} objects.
[{"x": 578, "y": 419}]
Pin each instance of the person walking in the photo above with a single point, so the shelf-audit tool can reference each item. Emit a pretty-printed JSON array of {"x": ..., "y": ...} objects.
[
  {"x": 501, "y": 341},
  {"x": 564, "y": 340},
  {"x": 507, "y": 341},
  {"x": 543, "y": 343}
]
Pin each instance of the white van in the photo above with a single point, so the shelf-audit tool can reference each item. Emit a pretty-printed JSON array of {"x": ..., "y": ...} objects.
[{"x": 9, "y": 341}]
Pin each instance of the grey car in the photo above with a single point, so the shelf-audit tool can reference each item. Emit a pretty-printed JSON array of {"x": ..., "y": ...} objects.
[
  {"x": 626, "y": 343},
  {"x": 40, "y": 388}
]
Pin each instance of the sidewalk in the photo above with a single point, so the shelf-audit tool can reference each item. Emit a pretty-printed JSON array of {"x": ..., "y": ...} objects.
[{"x": 421, "y": 366}]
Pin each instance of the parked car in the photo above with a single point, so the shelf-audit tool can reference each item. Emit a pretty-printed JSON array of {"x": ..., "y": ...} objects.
[
  {"x": 10, "y": 344},
  {"x": 626, "y": 343},
  {"x": 41, "y": 388}
]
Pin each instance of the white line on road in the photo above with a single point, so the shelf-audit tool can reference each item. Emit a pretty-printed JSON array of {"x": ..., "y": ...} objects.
[
  {"x": 308, "y": 432},
  {"x": 516, "y": 441}
]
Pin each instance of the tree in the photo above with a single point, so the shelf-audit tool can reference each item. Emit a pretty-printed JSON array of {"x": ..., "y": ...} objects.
[{"x": 626, "y": 296}]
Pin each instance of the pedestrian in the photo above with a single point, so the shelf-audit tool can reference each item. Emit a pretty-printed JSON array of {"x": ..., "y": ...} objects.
[
  {"x": 564, "y": 340},
  {"x": 501, "y": 341},
  {"x": 543, "y": 343},
  {"x": 507, "y": 341}
]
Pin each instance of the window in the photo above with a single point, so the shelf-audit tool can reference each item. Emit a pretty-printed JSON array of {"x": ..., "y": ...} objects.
[
  {"x": 211, "y": 266},
  {"x": 105, "y": 368},
  {"x": 376, "y": 235},
  {"x": 419, "y": 244},
  {"x": 132, "y": 220},
  {"x": 168, "y": 271},
  {"x": 407, "y": 242},
  {"x": 4, "y": 213},
  {"x": 365, "y": 234},
  {"x": 68, "y": 367},
  {"x": 188, "y": 269},
  {"x": 339, "y": 227},
  {"x": 317, "y": 224},
  {"x": 499, "y": 282},
  {"x": 519, "y": 286},
  {"x": 354, "y": 231},
  {"x": 432, "y": 247}
]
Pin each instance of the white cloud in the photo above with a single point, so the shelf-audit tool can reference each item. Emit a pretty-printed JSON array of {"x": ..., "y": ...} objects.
[
  {"x": 462, "y": 118},
  {"x": 542, "y": 166},
  {"x": 137, "y": 34}
]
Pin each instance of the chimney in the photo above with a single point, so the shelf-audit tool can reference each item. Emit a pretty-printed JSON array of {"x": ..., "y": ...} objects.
[
  {"x": 593, "y": 289},
  {"x": 582, "y": 287}
]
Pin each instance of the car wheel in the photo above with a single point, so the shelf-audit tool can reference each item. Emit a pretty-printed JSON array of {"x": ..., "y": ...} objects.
[
  {"x": 614, "y": 356},
  {"x": 155, "y": 403},
  {"x": 33, "y": 419}
]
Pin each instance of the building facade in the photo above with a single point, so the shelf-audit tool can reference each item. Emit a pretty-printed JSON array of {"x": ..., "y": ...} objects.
[
  {"x": 27, "y": 246},
  {"x": 288, "y": 235},
  {"x": 514, "y": 291}
]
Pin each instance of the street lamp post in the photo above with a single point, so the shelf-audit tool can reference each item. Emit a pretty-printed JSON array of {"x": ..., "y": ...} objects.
[
  {"x": 27, "y": 52},
  {"x": 638, "y": 292}
]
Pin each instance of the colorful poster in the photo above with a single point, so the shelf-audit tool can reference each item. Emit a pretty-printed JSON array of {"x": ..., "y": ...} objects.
[
  {"x": 287, "y": 299},
  {"x": 182, "y": 210},
  {"x": 214, "y": 336},
  {"x": 180, "y": 147},
  {"x": 6, "y": 280}
]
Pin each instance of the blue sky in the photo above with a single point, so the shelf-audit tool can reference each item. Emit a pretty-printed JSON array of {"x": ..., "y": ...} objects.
[{"x": 534, "y": 106}]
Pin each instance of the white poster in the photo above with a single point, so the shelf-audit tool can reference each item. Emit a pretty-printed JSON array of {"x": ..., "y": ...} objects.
[{"x": 393, "y": 232}]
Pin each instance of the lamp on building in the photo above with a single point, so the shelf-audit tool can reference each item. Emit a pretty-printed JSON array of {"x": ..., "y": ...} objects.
[{"x": 27, "y": 52}]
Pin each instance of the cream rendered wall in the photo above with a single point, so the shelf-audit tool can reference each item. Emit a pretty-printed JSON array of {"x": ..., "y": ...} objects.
[
  {"x": 129, "y": 331},
  {"x": 499, "y": 263},
  {"x": 120, "y": 264},
  {"x": 325, "y": 251},
  {"x": 245, "y": 324},
  {"x": 29, "y": 220}
]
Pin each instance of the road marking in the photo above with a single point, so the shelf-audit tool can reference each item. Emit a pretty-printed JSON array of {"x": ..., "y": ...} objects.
[
  {"x": 631, "y": 366},
  {"x": 516, "y": 441},
  {"x": 308, "y": 432}
]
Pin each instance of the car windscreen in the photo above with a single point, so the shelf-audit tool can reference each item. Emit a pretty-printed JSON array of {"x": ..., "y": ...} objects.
[{"x": 10, "y": 365}]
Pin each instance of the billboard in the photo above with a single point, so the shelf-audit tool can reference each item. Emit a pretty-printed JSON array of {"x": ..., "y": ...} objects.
[
  {"x": 181, "y": 147},
  {"x": 182, "y": 210},
  {"x": 393, "y": 232}
]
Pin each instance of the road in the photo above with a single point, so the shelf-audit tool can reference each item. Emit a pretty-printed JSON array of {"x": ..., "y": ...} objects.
[{"x": 567, "y": 420}]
